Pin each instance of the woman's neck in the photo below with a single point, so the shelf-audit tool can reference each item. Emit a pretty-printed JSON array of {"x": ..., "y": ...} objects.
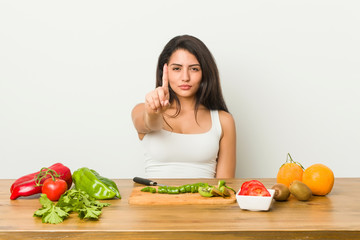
[{"x": 187, "y": 104}]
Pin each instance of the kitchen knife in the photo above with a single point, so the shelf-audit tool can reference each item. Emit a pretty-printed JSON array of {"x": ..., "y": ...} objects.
[{"x": 145, "y": 181}]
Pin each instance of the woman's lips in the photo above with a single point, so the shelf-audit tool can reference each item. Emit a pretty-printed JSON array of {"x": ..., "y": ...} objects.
[{"x": 184, "y": 87}]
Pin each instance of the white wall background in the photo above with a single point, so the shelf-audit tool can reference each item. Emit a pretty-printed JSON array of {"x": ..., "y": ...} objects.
[{"x": 71, "y": 71}]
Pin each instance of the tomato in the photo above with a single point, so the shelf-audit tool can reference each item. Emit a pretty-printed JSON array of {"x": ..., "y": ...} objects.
[
  {"x": 54, "y": 189},
  {"x": 258, "y": 191},
  {"x": 246, "y": 185},
  {"x": 253, "y": 188}
]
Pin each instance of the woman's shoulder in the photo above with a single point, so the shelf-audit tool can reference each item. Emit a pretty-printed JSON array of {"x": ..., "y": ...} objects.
[
  {"x": 225, "y": 117},
  {"x": 227, "y": 123}
]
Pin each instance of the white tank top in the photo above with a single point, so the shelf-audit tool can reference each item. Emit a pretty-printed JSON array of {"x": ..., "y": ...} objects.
[{"x": 176, "y": 155}]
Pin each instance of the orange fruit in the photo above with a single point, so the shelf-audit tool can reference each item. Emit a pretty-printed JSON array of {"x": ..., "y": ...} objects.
[
  {"x": 319, "y": 178},
  {"x": 289, "y": 172}
]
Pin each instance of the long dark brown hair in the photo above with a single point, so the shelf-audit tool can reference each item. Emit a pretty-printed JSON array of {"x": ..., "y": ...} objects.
[{"x": 209, "y": 93}]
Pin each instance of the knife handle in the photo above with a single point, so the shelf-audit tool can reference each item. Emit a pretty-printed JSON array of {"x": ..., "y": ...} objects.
[{"x": 144, "y": 181}]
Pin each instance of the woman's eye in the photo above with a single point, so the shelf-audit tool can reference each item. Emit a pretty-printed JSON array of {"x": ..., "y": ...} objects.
[
  {"x": 176, "y": 69},
  {"x": 195, "y": 69}
]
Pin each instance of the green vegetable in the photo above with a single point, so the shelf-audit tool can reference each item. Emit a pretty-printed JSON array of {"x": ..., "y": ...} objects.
[
  {"x": 204, "y": 189},
  {"x": 221, "y": 189},
  {"x": 221, "y": 184},
  {"x": 95, "y": 185},
  {"x": 49, "y": 212},
  {"x": 189, "y": 188},
  {"x": 169, "y": 190},
  {"x": 230, "y": 188},
  {"x": 173, "y": 190},
  {"x": 71, "y": 201},
  {"x": 149, "y": 189},
  {"x": 182, "y": 189}
]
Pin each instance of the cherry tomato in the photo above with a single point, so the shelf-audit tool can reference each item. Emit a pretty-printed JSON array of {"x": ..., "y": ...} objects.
[{"x": 54, "y": 189}]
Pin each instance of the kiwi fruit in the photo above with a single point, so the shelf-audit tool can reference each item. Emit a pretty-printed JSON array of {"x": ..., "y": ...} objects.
[
  {"x": 300, "y": 190},
  {"x": 216, "y": 192},
  {"x": 282, "y": 192}
]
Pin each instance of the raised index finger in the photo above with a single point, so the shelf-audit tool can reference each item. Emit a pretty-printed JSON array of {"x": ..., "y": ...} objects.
[{"x": 165, "y": 80}]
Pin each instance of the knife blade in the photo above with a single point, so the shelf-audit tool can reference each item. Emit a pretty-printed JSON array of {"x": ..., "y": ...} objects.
[{"x": 146, "y": 182}]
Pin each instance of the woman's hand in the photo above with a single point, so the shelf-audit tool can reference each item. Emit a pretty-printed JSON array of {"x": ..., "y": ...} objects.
[
  {"x": 157, "y": 101},
  {"x": 147, "y": 117}
]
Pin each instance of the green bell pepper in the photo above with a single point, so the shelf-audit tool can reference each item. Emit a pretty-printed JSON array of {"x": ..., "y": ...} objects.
[{"x": 95, "y": 185}]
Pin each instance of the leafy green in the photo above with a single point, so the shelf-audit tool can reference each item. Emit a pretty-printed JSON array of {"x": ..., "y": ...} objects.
[
  {"x": 72, "y": 200},
  {"x": 49, "y": 212}
]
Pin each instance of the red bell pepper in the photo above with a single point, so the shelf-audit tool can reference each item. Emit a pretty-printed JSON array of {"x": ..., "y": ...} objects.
[{"x": 27, "y": 186}]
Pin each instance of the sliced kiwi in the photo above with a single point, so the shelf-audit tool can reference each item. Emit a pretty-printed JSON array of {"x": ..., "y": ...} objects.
[
  {"x": 205, "y": 191},
  {"x": 225, "y": 192},
  {"x": 216, "y": 192}
]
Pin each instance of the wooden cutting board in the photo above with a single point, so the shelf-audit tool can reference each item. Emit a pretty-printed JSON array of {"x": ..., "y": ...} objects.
[{"x": 145, "y": 198}]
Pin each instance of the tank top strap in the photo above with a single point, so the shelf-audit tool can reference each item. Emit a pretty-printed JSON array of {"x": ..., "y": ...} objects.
[{"x": 215, "y": 121}]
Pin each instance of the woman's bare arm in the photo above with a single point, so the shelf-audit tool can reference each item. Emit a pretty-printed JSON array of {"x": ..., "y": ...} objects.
[{"x": 226, "y": 162}]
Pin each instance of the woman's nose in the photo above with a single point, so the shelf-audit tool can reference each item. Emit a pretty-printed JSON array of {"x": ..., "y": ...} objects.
[{"x": 185, "y": 75}]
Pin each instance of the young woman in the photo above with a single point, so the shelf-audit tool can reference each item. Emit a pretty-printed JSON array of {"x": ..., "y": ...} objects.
[{"x": 184, "y": 124}]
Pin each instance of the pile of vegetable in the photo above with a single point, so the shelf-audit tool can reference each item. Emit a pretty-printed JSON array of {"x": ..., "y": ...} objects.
[
  {"x": 33, "y": 183},
  {"x": 54, "y": 184},
  {"x": 71, "y": 201},
  {"x": 204, "y": 189}
]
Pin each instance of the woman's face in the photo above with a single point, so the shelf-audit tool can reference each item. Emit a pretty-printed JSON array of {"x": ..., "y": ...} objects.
[{"x": 184, "y": 73}]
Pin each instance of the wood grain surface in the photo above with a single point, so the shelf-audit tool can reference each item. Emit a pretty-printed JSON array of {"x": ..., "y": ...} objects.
[
  {"x": 335, "y": 216},
  {"x": 138, "y": 197}
]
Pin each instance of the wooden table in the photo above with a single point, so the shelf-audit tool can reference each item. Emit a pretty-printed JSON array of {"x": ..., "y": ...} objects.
[{"x": 336, "y": 216}]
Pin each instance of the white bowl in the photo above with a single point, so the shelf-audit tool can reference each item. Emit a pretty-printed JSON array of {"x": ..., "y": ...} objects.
[{"x": 255, "y": 203}]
